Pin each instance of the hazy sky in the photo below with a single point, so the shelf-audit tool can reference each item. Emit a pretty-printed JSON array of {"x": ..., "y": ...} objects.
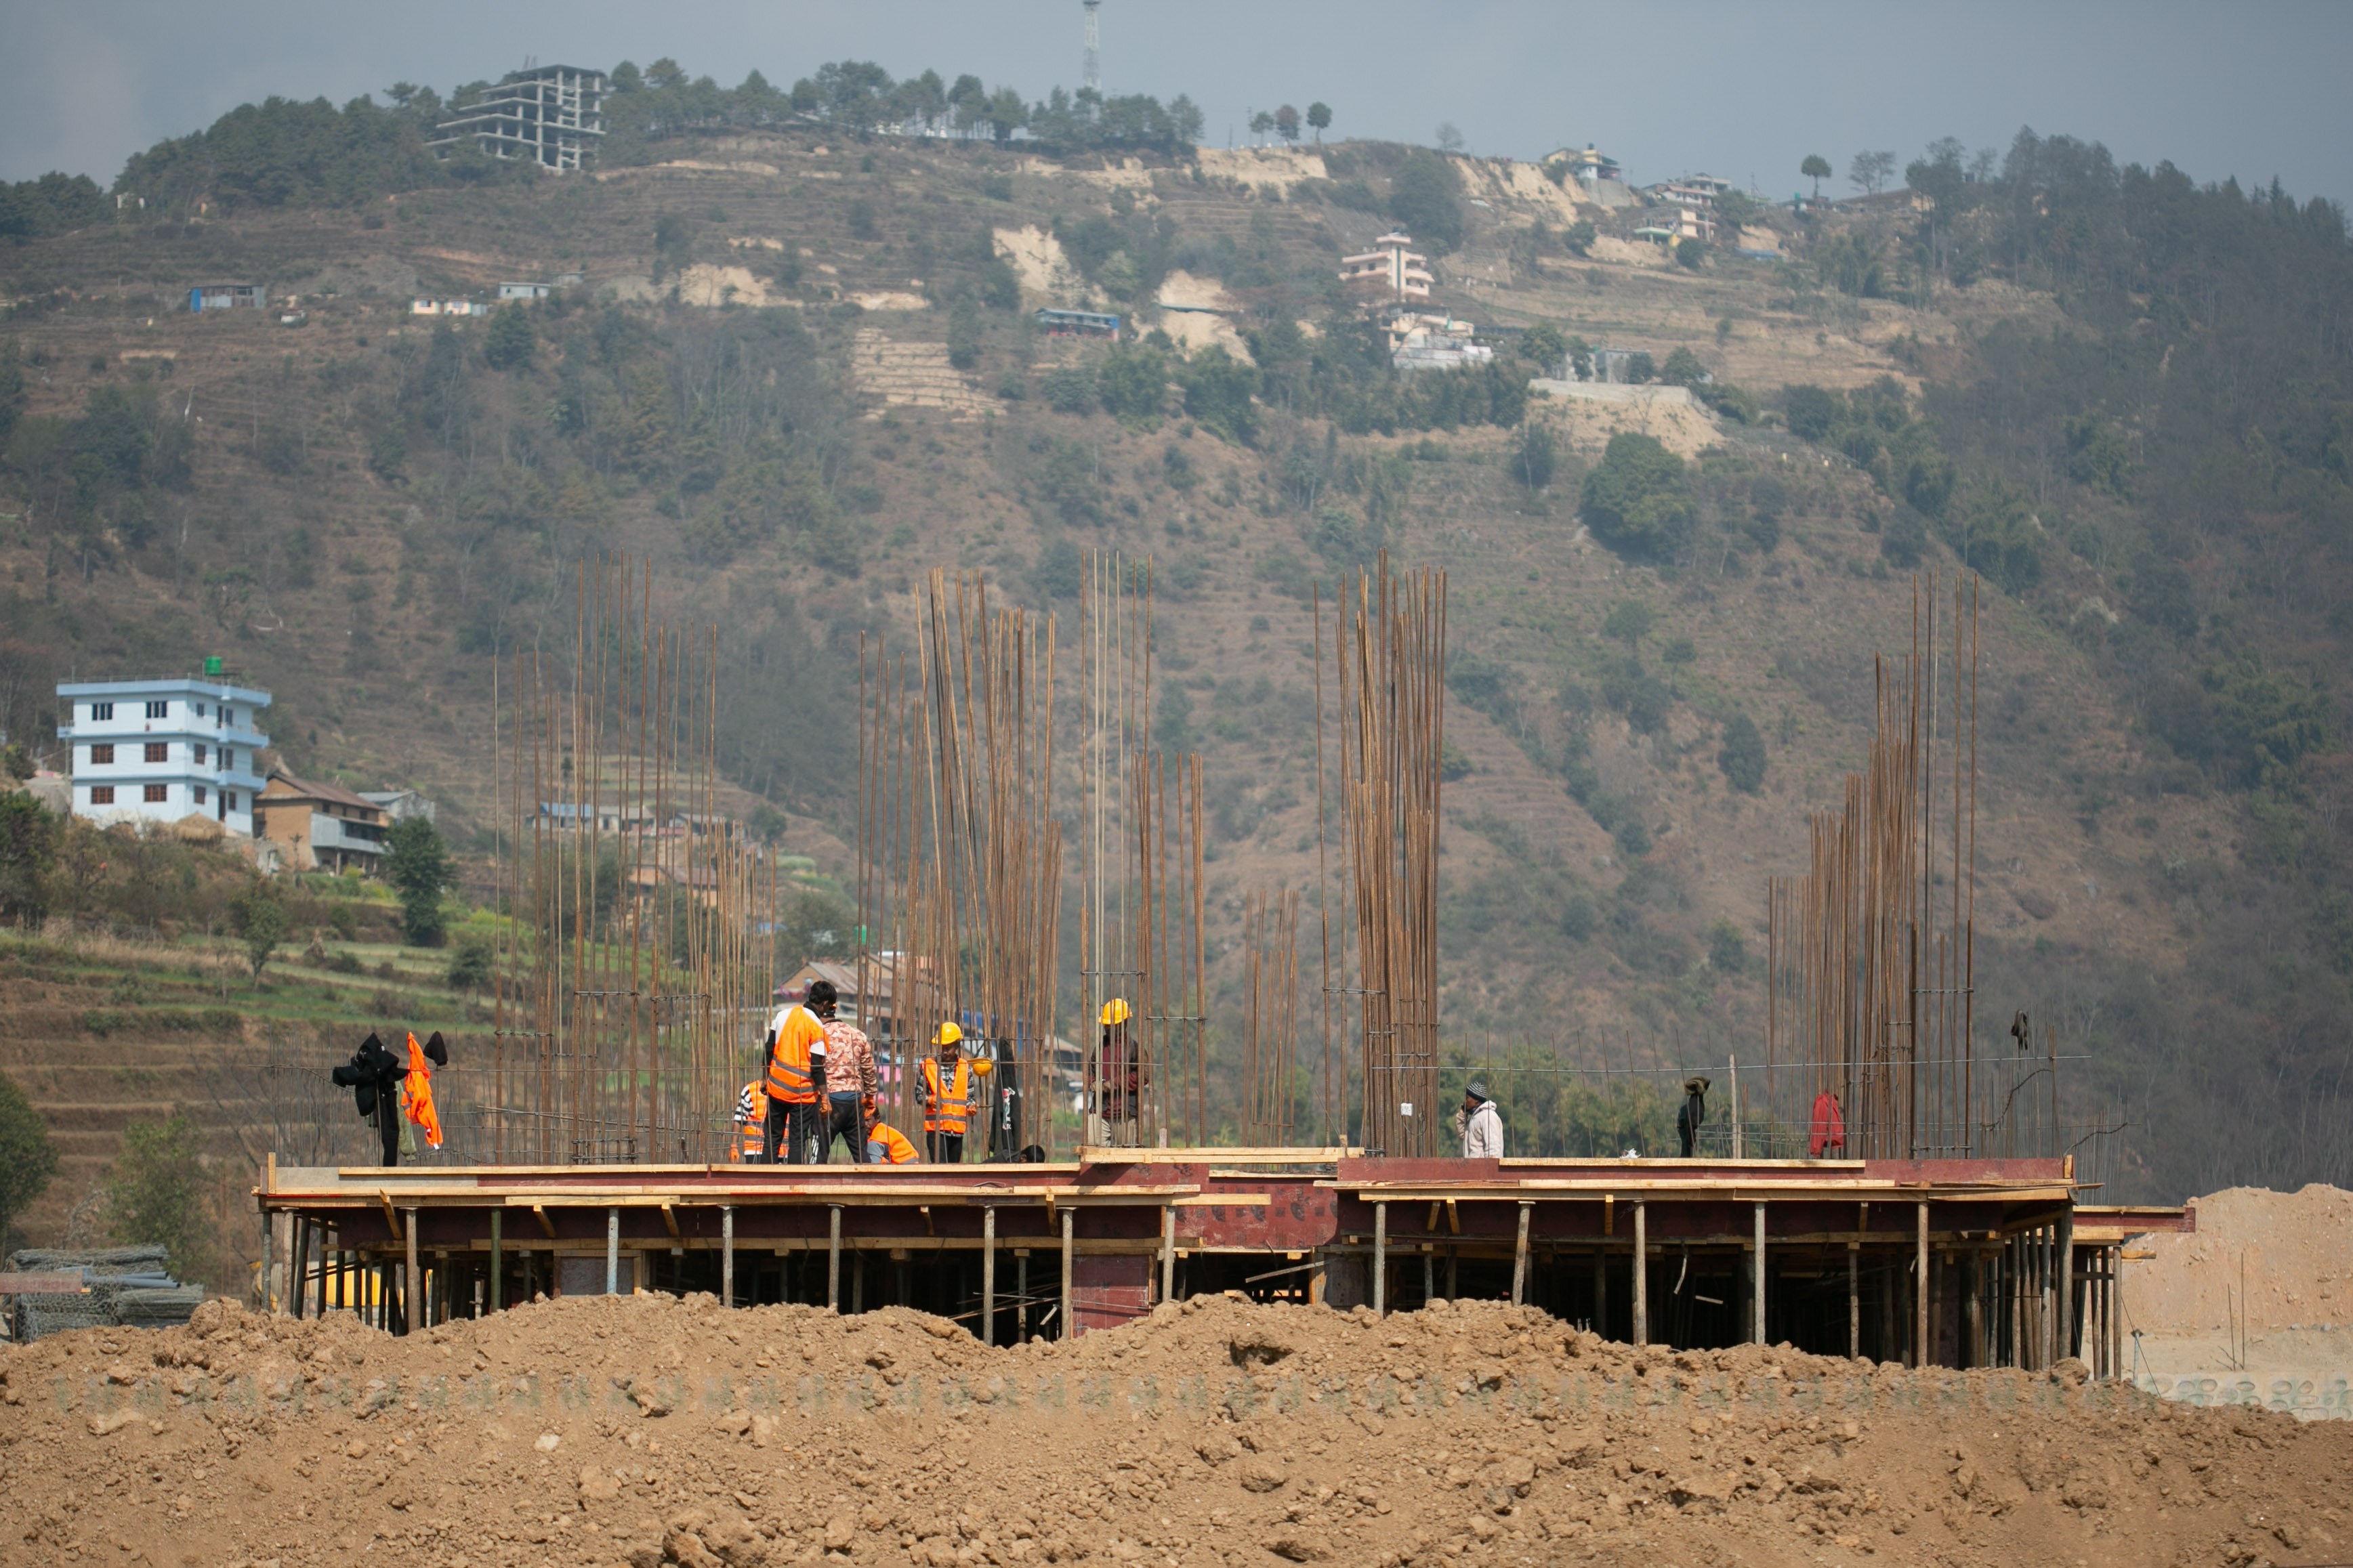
[{"x": 1742, "y": 90}]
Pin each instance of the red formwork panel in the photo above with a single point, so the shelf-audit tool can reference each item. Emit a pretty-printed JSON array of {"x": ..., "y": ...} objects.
[{"x": 1106, "y": 1292}]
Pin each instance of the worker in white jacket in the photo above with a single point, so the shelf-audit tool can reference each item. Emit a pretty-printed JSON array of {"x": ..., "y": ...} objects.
[{"x": 1481, "y": 1125}]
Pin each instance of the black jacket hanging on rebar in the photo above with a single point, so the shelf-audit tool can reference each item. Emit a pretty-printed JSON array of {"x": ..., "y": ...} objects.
[{"x": 372, "y": 1075}]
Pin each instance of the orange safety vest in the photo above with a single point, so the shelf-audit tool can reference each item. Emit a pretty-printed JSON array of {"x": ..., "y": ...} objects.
[
  {"x": 751, "y": 1135},
  {"x": 896, "y": 1149},
  {"x": 797, "y": 1029},
  {"x": 945, "y": 1109},
  {"x": 417, "y": 1094}
]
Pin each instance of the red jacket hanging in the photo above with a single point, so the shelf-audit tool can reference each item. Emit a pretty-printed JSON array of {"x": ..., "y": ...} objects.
[{"x": 1830, "y": 1127}]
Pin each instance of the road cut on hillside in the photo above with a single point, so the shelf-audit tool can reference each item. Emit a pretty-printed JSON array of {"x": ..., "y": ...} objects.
[{"x": 650, "y": 1431}]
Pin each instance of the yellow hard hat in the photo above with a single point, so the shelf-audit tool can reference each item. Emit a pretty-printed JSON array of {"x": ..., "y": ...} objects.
[
  {"x": 1115, "y": 1011},
  {"x": 947, "y": 1035}
]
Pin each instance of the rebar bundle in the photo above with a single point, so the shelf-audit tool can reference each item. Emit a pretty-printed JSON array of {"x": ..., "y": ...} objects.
[
  {"x": 1270, "y": 1016},
  {"x": 1143, "y": 929},
  {"x": 1389, "y": 659},
  {"x": 959, "y": 856},
  {"x": 630, "y": 988},
  {"x": 1871, "y": 953}
]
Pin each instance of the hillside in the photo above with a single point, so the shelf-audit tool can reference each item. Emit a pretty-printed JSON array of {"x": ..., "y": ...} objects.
[{"x": 798, "y": 372}]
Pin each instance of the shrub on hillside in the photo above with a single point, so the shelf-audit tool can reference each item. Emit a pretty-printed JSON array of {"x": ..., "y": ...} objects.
[
  {"x": 1742, "y": 756},
  {"x": 1634, "y": 499}
]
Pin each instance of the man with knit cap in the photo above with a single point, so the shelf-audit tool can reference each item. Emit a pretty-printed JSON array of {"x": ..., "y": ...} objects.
[{"x": 1480, "y": 1123}]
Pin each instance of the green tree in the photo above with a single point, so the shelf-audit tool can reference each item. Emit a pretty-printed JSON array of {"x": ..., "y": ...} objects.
[
  {"x": 1742, "y": 756},
  {"x": 1134, "y": 380},
  {"x": 1578, "y": 236},
  {"x": 1628, "y": 621},
  {"x": 1870, "y": 172},
  {"x": 511, "y": 343},
  {"x": 1543, "y": 346},
  {"x": 1286, "y": 123},
  {"x": 1816, "y": 168},
  {"x": 28, "y": 848},
  {"x": 1319, "y": 117},
  {"x": 1811, "y": 411},
  {"x": 1532, "y": 454},
  {"x": 1691, "y": 253},
  {"x": 258, "y": 917},
  {"x": 1736, "y": 210},
  {"x": 1634, "y": 500},
  {"x": 27, "y": 1156},
  {"x": 1683, "y": 369},
  {"x": 470, "y": 962},
  {"x": 964, "y": 332},
  {"x": 416, "y": 863},
  {"x": 155, "y": 1193},
  {"x": 1218, "y": 390},
  {"x": 1426, "y": 198},
  {"x": 2265, "y": 719}
]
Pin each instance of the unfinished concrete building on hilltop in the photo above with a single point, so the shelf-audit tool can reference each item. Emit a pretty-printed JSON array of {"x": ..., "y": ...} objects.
[{"x": 550, "y": 114}]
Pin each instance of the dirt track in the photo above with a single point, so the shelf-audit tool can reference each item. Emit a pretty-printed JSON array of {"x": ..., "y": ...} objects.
[{"x": 650, "y": 1431}]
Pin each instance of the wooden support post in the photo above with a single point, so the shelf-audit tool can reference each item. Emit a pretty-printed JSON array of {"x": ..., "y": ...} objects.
[
  {"x": 272, "y": 1227},
  {"x": 1602, "y": 1292},
  {"x": 1453, "y": 1272},
  {"x": 1380, "y": 1259},
  {"x": 988, "y": 1275},
  {"x": 1920, "y": 1290},
  {"x": 1070, "y": 1329},
  {"x": 2116, "y": 1367},
  {"x": 1168, "y": 1252},
  {"x": 1428, "y": 1277},
  {"x": 1021, "y": 1292},
  {"x": 1854, "y": 1300},
  {"x": 1974, "y": 1309},
  {"x": 727, "y": 1254},
  {"x": 1757, "y": 1280},
  {"x": 498, "y": 1259},
  {"x": 296, "y": 1282},
  {"x": 833, "y": 1258},
  {"x": 1520, "y": 1258},
  {"x": 410, "y": 1286},
  {"x": 2063, "y": 1243},
  {"x": 1642, "y": 1274},
  {"x": 612, "y": 1252}
]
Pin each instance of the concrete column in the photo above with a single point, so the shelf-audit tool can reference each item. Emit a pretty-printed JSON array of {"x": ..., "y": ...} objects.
[
  {"x": 988, "y": 1275},
  {"x": 1756, "y": 1284},
  {"x": 1520, "y": 1258},
  {"x": 1070, "y": 1324},
  {"x": 833, "y": 1258},
  {"x": 1167, "y": 1251},
  {"x": 1920, "y": 1290},
  {"x": 727, "y": 1254},
  {"x": 413, "y": 1286},
  {"x": 1380, "y": 1260},
  {"x": 612, "y": 1252},
  {"x": 1642, "y": 1274}
]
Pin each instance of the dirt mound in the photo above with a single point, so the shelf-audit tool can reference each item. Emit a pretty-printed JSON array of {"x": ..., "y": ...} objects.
[
  {"x": 652, "y": 1431},
  {"x": 2255, "y": 1306}
]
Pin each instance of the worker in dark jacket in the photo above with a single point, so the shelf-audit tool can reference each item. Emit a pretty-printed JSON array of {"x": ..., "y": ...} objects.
[{"x": 1693, "y": 1115}]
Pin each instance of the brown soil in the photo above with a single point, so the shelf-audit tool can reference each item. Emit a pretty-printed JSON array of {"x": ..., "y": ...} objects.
[{"x": 651, "y": 1431}]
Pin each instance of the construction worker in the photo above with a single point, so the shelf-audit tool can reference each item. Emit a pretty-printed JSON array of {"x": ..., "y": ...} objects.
[
  {"x": 885, "y": 1144},
  {"x": 948, "y": 1094},
  {"x": 796, "y": 1050},
  {"x": 751, "y": 1146},
  {"x": 416, "y": 1087},
  {"x": 852, "y": 1085},
  {"x": 1120, "y": 1078},
  {"x": 1693, "y": 1114},
  {"x": 1480, "y": 1123}
]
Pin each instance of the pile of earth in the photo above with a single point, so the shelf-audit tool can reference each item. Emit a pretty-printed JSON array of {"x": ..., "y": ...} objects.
[{"x": 651, "y": 1430}]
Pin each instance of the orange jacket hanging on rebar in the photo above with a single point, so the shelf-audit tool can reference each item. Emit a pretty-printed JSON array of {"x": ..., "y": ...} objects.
[
  {"x": 798, "y": 1036},
  {"x": 751, "y": 1123},
  {"x": 948, "y": 1107},
  {"x": 417, "y": 1094}
]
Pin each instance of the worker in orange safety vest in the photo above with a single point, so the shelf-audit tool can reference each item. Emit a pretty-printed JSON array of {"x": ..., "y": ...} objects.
[
  {"x": 885, "y": 1144},
  {"x": 948, "y": 1091},
  {"x": 751, "y": 1144},
  {"x": 797, "y": 1048},
  {"x": 416, "y": 1088}
]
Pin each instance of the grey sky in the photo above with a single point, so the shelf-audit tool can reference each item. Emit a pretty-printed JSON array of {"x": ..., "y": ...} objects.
[{"x": 1742, "y": 90}]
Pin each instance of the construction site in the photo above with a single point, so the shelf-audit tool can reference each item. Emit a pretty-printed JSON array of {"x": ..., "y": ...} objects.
[
  {"x": 1871, "y": 1306},
  {"x": 1883, "y": 1186}
]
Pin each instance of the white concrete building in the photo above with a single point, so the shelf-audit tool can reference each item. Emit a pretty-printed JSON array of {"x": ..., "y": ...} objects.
[{"x": 157, "y": 751}]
